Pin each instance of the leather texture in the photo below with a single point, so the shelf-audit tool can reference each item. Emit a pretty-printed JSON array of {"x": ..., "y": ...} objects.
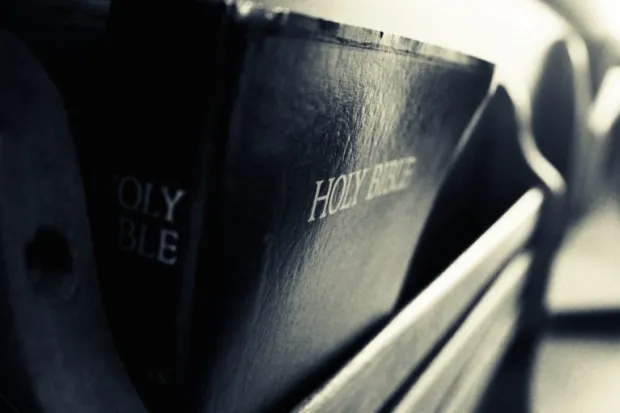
[
  {"x": 506, "y": 170},
  {"x": 286, "y": 298},
  {"x": 391, "y": 363},
  {"x": 151, "y": 130},
  {"x": 247, "y": 122}
]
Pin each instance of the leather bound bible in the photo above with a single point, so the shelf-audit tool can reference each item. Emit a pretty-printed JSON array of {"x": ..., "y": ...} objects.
[{"x": 267, "y": 180}]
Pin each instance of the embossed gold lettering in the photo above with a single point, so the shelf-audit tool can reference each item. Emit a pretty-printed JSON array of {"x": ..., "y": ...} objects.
[
  {"x": 343, "y": 191},
  {"x": 375, "y": 182},
  {"x": 359, "y": 179},
  {"x": 168, "y": 247},
  {"x": 148, "y": 188},
  {"x": 127, "y": 202},
  {"x": 388, "y": 185},
  {"x": 347, "y": 200},
  {"x": 146, "y": 239},
  {"x": 127, "y": 239},
  {"x": 171, "y": 201},
  {"x": 142, "y": 243},
  {"x": 406, "y": 172},
  {"x": 321, "y": 198},
  {"x": 337, "y": 195}
]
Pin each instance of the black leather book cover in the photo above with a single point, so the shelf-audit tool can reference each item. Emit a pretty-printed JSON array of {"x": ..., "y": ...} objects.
[
  {"x": 269, "y": 178},
  {"x": 335, "y": 144},
  {"x": 149, "y": 188}
]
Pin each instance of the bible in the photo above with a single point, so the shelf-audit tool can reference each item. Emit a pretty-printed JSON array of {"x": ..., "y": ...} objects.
[{"x": 268, "y": 178}]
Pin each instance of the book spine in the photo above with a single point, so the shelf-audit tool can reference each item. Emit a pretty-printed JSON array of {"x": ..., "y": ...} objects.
[
  {"x": 204, "y": 298},
  {"x": 151, "y": 185}
]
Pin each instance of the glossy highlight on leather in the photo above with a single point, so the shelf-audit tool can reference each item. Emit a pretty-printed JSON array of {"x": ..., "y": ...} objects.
[{"x": 320, "y": 107}]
